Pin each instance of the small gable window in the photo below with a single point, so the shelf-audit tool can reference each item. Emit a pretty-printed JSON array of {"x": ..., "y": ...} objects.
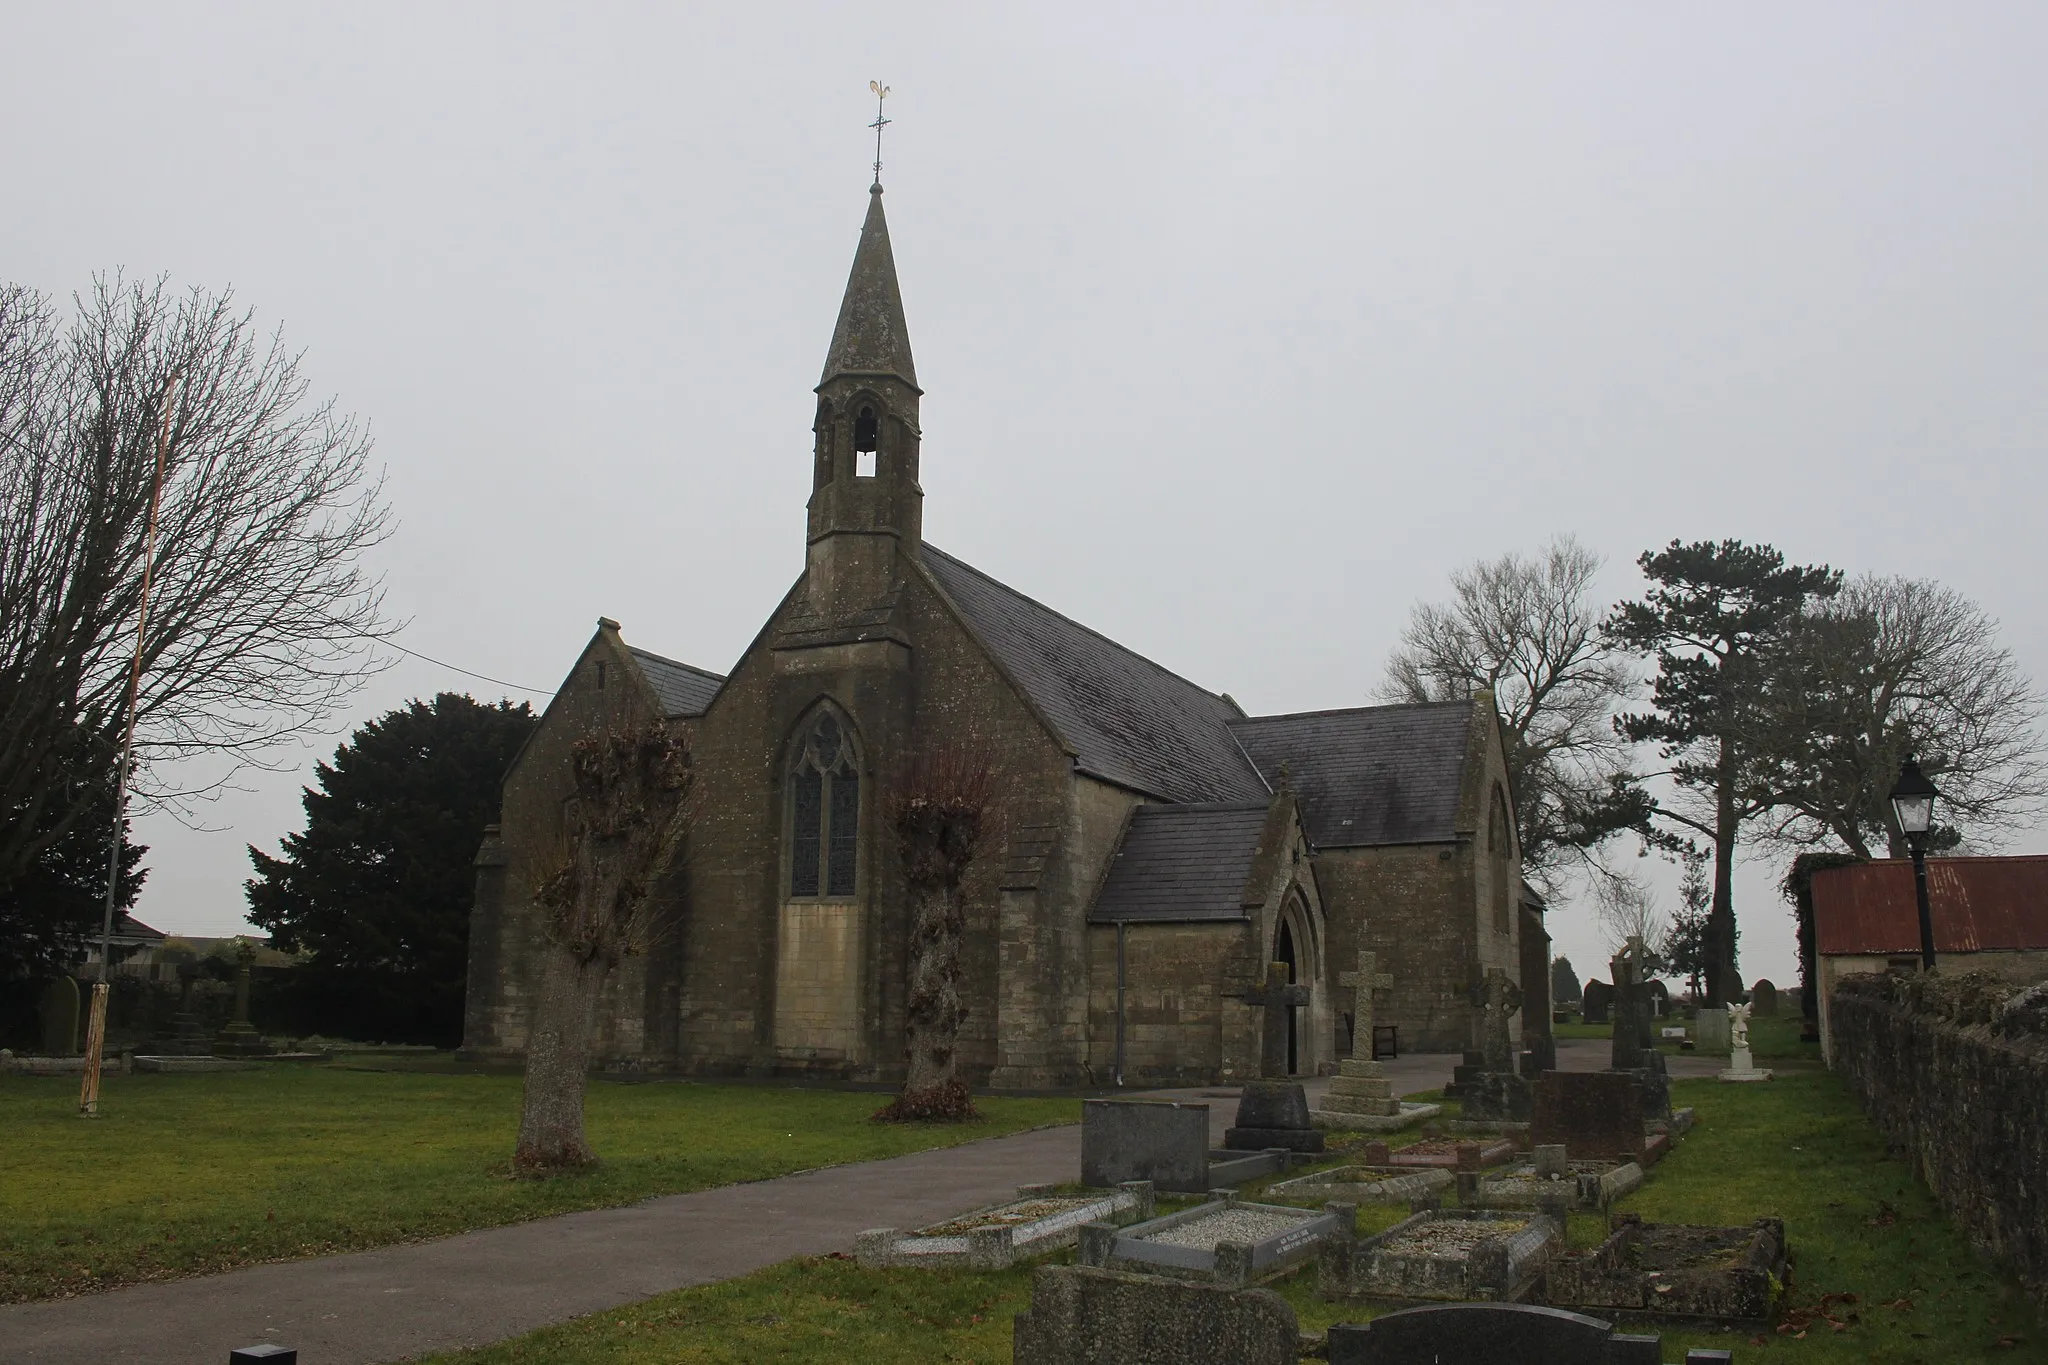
[
  {"x": 867, "y": 441},
  {"x": 824, "y": 813}
]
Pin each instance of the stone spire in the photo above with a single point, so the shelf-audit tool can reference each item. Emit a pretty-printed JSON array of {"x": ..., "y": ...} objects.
[{"x": 871, "y": 338}]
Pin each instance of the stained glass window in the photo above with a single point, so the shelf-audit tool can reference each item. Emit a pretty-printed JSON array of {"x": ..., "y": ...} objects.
[
  {"x": 845, "y": 832},
  {"x": 805, "y": 831}
]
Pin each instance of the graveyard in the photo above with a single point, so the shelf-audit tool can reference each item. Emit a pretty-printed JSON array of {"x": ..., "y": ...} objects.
[{"x": 1878, "y": 1274}]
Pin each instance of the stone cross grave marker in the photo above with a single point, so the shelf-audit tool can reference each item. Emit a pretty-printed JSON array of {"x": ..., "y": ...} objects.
[
  {"x": 1278, "y": 999},
  {"x": 1365, "y": 981},
  {"x": 1497, "y": 998},
  {"x": 1629, "y": 1020}
]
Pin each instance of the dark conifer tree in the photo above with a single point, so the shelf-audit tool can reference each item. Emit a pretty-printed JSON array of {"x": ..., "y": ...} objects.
[{"x": 377, "y": 890}]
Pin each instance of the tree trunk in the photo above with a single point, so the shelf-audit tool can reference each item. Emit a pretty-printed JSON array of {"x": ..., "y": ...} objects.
[
  {"x": 557, "y": 1064},
  {"x": 1720, "y": 935},
  {"x": 933, "y": 1089}
]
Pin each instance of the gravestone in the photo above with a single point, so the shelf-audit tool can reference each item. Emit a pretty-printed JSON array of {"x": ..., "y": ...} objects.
[
  {"x": 1660, "y": 999},
  {"x": 1763, "y": 1000},
  {"x": 1710, "y": 1029},
  {"x": 1634, "y": 1050},
  {"x": 1360, "y": 1095},
  {"x": 240, "y": 1038},
  {"x": 59, "y": 1012},
  {"x": 1081, "y": 1315},
  {"x": 1594, "y": 1115},
  {"x": 1484, "y": 1333},
  {"x": 1490, "y": 1087},
  {"x": 1272, "y": 1111},
  {"x": 1125, "y": 1140},
  {"x": 1741, "y": 1067},
  {"x": 1598, "y": 1002}
]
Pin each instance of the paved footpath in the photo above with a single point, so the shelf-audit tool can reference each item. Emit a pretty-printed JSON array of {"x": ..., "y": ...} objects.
[{"x": 484, "y": 1286}]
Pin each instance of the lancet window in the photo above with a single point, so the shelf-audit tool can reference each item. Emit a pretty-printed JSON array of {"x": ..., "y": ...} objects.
[{"x": 824, "y": 813}]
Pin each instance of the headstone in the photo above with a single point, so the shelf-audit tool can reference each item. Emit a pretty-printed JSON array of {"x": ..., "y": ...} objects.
[
  {"x": 1599, "y": 1002},
  {"x": 1487, "y": 1332},
  {"x": 1763, "y": 1000},
  {"x": 1593, "y": 1115},
  {"x": 240, "y": 1038},
  {"x": 59, "y": 1011},
  {"x": 1080, "y": 1315},
  {"x": 269, "y": 1353},
  {"x": 1366, "y": 982},
  {"x": 1634, "y": 1050},
  {"x": 1272, "y": 1111},
  {"x": 1360, "y": 1095},
  {"x": 1710, "y": 1029},
  {"x": 1488, "y": 1085},
  {"x": 1660, "y": 999},
  {"x": 1124, "y": 1140}
]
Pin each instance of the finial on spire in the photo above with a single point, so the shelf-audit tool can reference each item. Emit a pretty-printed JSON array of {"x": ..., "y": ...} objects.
[{"x": 881, "y": 93}]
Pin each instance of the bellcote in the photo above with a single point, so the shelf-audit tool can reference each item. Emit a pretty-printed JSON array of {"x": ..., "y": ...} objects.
[{"x": 864, "y": 475}]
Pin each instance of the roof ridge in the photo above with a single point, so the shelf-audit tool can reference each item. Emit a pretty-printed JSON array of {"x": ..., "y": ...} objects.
[
  {"x": 674, "y": 663},
  {"x": 1164, "y": 806},
  {"x": 1115, "y": 644},
  {"x": 1353, "y": 710}
]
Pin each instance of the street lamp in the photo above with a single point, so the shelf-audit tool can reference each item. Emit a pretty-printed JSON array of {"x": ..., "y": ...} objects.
[{"x": 1913, "y": 804}]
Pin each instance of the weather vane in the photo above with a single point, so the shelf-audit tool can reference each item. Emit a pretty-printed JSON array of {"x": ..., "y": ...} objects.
[{"x": 881, "y": 93}]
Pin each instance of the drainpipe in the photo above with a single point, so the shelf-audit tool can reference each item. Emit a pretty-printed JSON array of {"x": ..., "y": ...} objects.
[{"x": 1121, "y": 927}]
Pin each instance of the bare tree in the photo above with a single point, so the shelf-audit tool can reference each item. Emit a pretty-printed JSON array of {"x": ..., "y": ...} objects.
[
  {"x": 262, "y": 620},
  {"x": 1627, "y": 908},
  {"x": 941, "y": 816},
  {"x": 621, "y": 829},
  {"x": 1894, "y": 666},
  {"x": 1528, "y": 629}
]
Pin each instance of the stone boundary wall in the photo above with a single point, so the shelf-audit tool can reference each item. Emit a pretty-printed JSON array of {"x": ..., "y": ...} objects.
[{"x": 1954, "y": 1070}]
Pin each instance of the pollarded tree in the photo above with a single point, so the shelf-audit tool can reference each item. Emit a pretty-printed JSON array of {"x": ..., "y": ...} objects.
[
  {"x": 377, "y": 889},
  {"x": 621, "y": 827},
  {"x": 940, "y": 815},
  {"x": 1527, "y": 629},
  {"x": 1712, "y": 616}
]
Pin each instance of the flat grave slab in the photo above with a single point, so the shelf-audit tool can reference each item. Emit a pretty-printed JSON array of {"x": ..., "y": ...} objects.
[
  {"x": 1676, "y": 1270},
  {"x": 1365, "y": 1184},
  {"x": 1447, "y": 1153},
  {"x": 1000, "y": 1235},
  {"x": 1586, "y": 1184},
  {"x": 1225, "y": 1242},
  {"x": 1458, "y": 1254}
]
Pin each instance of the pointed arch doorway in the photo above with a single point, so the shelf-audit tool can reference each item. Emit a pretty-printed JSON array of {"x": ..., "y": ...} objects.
[{"x": 1295, "y": 945}]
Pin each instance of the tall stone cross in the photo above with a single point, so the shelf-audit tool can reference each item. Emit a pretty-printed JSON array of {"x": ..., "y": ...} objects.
[
  {"x": 1630, "y": 1018},
  {"x": 1365, "y": 981},
  {"x": 1279, "y": 1000},
  {"x": 1498, "y": 998}
]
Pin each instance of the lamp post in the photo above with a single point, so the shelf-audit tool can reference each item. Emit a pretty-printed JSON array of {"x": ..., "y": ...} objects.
[{"x": 1912, "y": 801}]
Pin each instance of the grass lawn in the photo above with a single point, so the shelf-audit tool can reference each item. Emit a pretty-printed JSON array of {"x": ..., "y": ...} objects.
[
  {"x": 1798, "y": 1147},
  {"x": 184, "y": 1175}
]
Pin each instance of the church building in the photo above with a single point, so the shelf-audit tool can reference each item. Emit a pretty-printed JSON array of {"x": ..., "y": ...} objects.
[{"x": 1151, "y": 847}]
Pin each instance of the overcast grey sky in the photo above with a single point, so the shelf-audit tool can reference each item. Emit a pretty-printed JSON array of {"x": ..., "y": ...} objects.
[{"x": 1242, "y": 326}]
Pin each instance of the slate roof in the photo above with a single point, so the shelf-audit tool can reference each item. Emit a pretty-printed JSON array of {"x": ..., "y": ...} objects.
[
  {"x": 684, "y": 690},
  {"x": 1128, "y": 720},
  {"x": 1368, "y": 775},
  {"x": 1182, "y": 863}
]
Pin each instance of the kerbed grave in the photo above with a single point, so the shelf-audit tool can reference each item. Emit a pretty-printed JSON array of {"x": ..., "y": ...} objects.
[
  {"x": 1444, "y": 1254},
  {"x": 1225, "y": 1242},
  {"x": 1447, "y": 1153},
  {"x": 1000, "y": 1235},
  {"x": 1677, "y": 1270},
  {"x": 1365, "y": 1184}
]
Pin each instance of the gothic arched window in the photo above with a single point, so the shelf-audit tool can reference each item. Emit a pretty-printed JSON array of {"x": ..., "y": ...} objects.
[{"x": 824, "y": 812}]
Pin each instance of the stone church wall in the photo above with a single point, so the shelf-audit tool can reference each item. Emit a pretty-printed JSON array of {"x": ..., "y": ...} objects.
[
  {"x": 1181, "y": 1024},
  {"x": 601, "y": 691},
  {"x": 1414, "y": 905}
]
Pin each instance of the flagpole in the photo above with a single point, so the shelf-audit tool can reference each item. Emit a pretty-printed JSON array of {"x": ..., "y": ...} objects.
[{"x": 96, "y": 1028}]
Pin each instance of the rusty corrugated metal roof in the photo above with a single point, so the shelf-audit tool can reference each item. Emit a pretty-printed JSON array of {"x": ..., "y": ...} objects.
[{"x": 1977, "y": 904}]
